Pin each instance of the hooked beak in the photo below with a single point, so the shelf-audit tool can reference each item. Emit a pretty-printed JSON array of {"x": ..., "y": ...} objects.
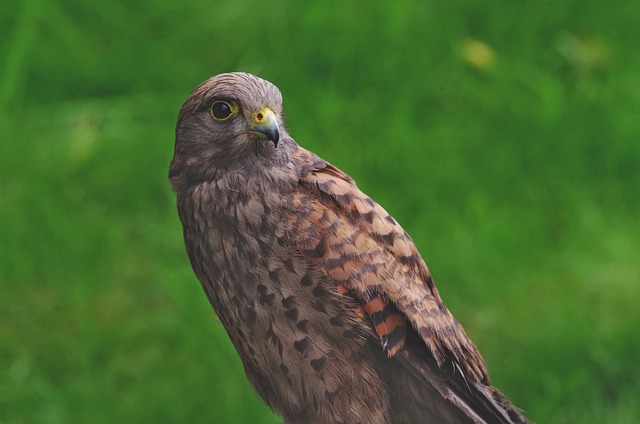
[{"x": 264, "y": 125}]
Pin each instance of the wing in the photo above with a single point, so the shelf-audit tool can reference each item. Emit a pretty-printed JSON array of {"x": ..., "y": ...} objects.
[
  {"x": 362, "y": 248},
  {"x": 364, "y": 251}
]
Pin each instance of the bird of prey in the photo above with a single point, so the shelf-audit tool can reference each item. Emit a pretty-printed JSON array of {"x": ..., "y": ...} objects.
[{"x": 330, "y": 306}]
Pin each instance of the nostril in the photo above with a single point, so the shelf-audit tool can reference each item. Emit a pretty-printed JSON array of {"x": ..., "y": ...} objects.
[{"x": 259, "y": 116}]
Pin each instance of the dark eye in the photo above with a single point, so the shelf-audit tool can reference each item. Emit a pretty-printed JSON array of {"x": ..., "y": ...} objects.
[{"x": 221, "y": 110}]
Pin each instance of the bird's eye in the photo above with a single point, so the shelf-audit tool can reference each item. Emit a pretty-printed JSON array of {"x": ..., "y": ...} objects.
[{"x": 222, "y": 110}]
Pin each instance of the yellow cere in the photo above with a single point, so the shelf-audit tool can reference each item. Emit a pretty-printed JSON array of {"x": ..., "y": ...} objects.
[{"x": 262, "y": 115}]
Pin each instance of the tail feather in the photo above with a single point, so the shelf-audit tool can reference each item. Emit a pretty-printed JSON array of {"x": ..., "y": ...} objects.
[{"x": 423, "y": 392}]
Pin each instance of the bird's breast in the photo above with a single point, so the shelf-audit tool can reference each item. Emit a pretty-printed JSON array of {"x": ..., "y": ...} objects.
[{"x": 299, "y": 339}]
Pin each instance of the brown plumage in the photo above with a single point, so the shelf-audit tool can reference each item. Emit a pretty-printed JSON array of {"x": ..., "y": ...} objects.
[{"x": 325, "y": 297}]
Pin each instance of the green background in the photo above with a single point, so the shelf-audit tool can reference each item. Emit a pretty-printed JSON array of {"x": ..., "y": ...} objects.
[{"x": 504, "y": 136}]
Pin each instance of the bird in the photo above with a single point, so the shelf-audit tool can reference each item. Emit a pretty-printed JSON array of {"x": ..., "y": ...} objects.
[{"x": 331, "y": 308}]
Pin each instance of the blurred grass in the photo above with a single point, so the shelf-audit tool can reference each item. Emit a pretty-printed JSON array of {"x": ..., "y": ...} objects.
[{"x": 504, "y": 137}]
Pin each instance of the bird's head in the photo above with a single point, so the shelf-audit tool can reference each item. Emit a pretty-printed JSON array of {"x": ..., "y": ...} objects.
[{"x": 228, "y": 122}]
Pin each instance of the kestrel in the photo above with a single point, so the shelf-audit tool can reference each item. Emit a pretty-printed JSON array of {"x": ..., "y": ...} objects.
[{"x": 330, "y": 306}]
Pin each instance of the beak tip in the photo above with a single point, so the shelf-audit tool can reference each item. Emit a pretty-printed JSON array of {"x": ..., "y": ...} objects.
[{"x": 275, "y": 138}]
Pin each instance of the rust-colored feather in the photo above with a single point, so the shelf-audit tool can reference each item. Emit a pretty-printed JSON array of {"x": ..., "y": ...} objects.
[{"x": 361, "y": 247}]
